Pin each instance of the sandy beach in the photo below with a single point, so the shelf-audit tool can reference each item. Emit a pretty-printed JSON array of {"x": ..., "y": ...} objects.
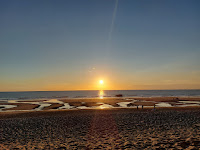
[
  {"x": 95, "y": 123},
  {"x": 166, "y": 128}
]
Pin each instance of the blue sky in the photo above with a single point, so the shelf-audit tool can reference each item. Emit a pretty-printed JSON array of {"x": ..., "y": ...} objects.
[{"x": 53, "y": 45}]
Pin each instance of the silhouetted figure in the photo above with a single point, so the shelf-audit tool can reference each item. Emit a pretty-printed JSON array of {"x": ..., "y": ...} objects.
[
  {"x": 137, "y": 106},
  {"x": 154, "y": 107},
  {"x": 142, "y": 106}
]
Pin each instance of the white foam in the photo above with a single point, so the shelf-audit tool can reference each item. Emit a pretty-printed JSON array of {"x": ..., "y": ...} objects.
[
  {"x": 83, "y": 107},
  {"x": 42, "y": 106},
  {"x": 7, "y": 107},
  {"x": 164, "y": 105},
  {"x": 196, "y": 102},
  {"x": 187, "y": 105},
  {"x": 54, "y": 101},
  {"x": 123, "y": 104},
  {"x": 66, "y": 106},
  {"x": 103, "y": 106}
]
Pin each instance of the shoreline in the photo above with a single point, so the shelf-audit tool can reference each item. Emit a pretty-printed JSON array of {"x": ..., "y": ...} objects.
[
  {"x": 11, "y": 114},
  {"x": 98, "y": 103}
]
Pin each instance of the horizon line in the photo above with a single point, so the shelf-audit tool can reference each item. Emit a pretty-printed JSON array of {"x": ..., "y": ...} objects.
[{"x": 102, "y": 90}]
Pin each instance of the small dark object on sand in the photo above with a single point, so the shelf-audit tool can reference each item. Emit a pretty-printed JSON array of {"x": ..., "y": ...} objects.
[
  {"x": 131, "y": 104},
  {"x": 119, "y": 95}
]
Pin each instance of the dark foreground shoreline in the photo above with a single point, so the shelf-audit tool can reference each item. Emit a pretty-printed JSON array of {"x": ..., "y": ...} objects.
[{"x": 165, "y": 128}]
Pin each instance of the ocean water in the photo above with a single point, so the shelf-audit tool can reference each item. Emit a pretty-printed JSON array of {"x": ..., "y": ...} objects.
[{"x": 89, "y": 94}]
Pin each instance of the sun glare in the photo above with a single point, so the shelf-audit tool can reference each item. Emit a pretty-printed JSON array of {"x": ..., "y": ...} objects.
[{"x": 101, "y": 81}]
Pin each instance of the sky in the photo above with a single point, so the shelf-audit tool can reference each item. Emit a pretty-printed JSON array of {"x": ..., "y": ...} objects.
[{"x": 72, "y": 44}]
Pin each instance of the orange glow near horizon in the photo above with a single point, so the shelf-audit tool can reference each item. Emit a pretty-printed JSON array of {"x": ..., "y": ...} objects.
[{"x": 160, "y": 81}]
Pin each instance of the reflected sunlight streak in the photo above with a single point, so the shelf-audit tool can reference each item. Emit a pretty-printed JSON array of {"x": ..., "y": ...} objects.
[
  {"x": 101, "y": 94},
  {"x": 101, "y": 107}
]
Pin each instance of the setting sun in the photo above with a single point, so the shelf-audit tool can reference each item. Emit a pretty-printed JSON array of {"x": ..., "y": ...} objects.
[{"x": 101, "y": 81}]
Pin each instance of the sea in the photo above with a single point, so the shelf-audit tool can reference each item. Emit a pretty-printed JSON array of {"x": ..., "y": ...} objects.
[{"x": 96, "y": 93}]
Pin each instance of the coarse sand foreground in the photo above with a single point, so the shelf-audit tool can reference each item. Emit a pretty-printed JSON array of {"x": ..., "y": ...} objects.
[{"x": 166, "y": 128}]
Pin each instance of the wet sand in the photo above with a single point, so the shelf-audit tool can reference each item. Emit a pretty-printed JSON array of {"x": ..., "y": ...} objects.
[
  {"x": 168, "y": 99},
  {"x": 21, "y": 106},
  {"x": 160, "y": 99},
  {"x": 165, "y": 128},
  {"x": 93, "y": 101},
  {"x": 99, "y": 103},
  {"x": 53, "y": 106}
]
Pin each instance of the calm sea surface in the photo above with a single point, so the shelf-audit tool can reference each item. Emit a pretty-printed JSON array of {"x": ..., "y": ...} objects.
[{"x": 106, "y": 93}]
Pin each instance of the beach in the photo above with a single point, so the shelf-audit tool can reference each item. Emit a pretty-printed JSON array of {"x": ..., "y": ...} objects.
[
  {"x": 101, "y": 123},
  {"x": 166, "y": 128}
]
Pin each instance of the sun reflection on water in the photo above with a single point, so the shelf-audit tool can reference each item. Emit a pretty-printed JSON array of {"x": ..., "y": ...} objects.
[
  {"x": 101, "y": 94},
  {"x": 101, "y": 107}
]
